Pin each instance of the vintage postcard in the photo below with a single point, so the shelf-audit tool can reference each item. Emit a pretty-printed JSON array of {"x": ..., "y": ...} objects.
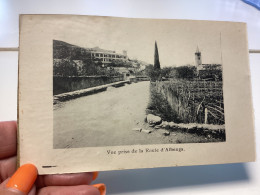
[{"x": 107, "y": 93}]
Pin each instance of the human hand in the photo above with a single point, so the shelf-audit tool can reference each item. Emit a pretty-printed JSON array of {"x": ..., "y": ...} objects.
[{"x": 24, "y": 180}]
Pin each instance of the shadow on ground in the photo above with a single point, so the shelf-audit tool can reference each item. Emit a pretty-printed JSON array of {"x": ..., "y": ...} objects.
[{"x": 132, "y": 181}]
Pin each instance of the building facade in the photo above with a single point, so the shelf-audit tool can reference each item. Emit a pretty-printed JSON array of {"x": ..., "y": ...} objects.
[
  {"x": 198, "y": 61},
  {"x": 207, "y": 71},
  {"x": 107, "y": 56}
]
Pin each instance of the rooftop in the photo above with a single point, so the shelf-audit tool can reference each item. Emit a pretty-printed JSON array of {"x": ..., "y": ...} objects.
[{"x": 97, "y": 49}]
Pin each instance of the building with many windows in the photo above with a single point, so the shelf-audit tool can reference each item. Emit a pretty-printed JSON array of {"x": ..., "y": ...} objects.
[
  {"x": 107, "y": 56},
  {"x": 78, "y": 58}
]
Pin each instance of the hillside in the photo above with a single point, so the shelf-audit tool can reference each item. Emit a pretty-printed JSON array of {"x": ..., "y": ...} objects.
[{"x": 63, "y": 50}]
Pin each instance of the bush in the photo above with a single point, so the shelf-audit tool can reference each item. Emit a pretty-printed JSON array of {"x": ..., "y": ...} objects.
[
  {"x": 154, "y": 74},
  {"x": 182, "y": 72},
  {"x": 64, "y": 67},
  {"x": 159, "y": 106}
]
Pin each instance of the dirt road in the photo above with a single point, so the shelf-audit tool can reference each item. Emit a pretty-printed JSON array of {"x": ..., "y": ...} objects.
[
  {"x": 103, "y": 119},
  {"x": 107, "y": 119}
]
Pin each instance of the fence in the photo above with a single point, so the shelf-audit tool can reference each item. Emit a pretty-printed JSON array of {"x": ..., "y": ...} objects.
[{"x": 194, "y": 101}]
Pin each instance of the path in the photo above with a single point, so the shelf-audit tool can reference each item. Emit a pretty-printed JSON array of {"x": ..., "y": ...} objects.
[
  {"x": 103, "y": 119},
  {"x": 107, "y": 119}
]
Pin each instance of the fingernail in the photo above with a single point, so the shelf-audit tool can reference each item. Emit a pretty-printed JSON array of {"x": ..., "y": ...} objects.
[
  {"x": 101, "y": 187},
  {"x": 95, "y": 175},
  {"x": 23, "y": 179}
]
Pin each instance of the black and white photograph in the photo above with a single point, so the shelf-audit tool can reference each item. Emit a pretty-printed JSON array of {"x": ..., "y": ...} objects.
[
  {"x": 100, "y": 93},
  {"x": 138, "y": 85}
]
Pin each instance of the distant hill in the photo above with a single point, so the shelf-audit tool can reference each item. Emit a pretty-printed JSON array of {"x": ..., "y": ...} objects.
[{"x": 63, "y": 50}]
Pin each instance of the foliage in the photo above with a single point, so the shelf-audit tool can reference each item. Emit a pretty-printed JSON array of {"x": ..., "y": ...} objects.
[
  {"x": 61, "y": 50},
  {"x": 190, "y": 98},
  {"x": 157, "y": 65},
  {"x": 90, "y": 67},
  {"x": 159, "y": 106},
  {"x": 213, "y": 75},
  {"x": 65, "y": 67},
  {"x": 121, "y": 63},
  {"x": 136, "y": 63},
  {"x": 168, "y": 72},
  {"x": 93, "y": 67},
  {"x": 186, "y": 72},
  {"x": 152, "y": 73},
  {"x": 75, "y": 60},
  {"x": 182, "y": 72}
]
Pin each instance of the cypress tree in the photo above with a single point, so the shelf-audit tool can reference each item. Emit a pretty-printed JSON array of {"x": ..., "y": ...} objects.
[{"x": 156, "y": 57}]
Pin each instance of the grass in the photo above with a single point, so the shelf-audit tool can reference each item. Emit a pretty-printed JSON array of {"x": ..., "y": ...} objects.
[
  {"x": 186, "y": 101},
  {"x": 159, "y": 106}
]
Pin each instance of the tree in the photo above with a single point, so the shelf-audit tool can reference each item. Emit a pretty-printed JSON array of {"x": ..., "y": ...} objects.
[
  {"x": 91, "y": 67},
  {"x": 136, "y": 63},
  {"x": 65, "y": 67},
  {"x": 156, "y": 57},
  {"x": 167, "y": 72},
  {"x": 151, "y": 72},
  {"x": 121, "y": 63},
  {"x": 186, "y": 72}
]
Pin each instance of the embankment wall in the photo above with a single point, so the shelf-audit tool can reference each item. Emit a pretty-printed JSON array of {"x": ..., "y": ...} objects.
[{"x": 68, "y": 84}]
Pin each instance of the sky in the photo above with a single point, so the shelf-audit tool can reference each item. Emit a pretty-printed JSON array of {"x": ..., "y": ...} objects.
[{"x": 177, "y": 40}]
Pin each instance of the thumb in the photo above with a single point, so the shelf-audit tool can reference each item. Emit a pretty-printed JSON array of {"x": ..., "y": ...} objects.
[{"x": 22, "y": 181}]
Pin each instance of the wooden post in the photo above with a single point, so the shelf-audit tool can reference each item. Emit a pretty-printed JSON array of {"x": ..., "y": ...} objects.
[{"x": 206, "y": 116}]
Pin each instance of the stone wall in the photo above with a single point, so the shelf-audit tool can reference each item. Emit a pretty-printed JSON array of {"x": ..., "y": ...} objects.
[{"x": 68, "y": 84}]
